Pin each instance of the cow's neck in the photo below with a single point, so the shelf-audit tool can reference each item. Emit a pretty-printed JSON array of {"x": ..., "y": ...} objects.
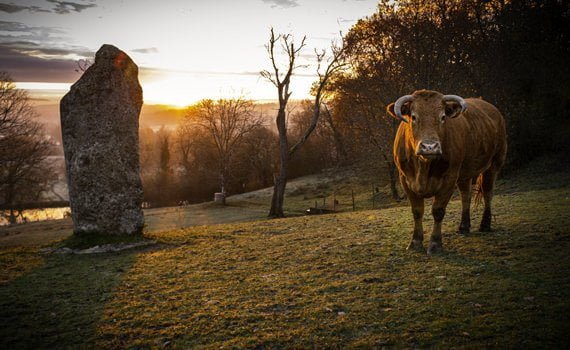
[
  {"x": 426, "y": 175},
  {"x": 422, "y": 172}
]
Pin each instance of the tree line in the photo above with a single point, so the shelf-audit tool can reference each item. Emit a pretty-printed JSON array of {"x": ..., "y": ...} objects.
[
  {"x": 25, "y": 172},
  {"x": 224, "y": 145},
  {"x": 513, "y": 53}
]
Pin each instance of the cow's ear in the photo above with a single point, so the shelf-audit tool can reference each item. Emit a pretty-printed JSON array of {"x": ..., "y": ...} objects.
[
  {"x": 452, "y": 109},
  {"x": 405, "y": 110}
]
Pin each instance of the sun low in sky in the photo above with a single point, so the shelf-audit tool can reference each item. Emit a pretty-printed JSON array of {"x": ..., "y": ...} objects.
[{"x": 186, "y": 50}]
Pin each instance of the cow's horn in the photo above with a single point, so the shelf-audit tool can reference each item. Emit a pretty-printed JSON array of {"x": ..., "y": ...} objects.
[
  {"x": 457, "y": 99},
  {"x": 398, "y": 106}
]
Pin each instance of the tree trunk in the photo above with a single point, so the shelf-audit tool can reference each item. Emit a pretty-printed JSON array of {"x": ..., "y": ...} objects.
[
  {"x": 223, "y": 179},
  {"x": 341, "y": 154},
  {"x": 393, "y": 172},
  {"x": 13, "y": 217},
  {"x": 276, "y": 210}
]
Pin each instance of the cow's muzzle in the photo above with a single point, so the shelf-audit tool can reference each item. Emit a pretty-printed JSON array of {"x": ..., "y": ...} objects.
[{"x": 428, "y": 148}]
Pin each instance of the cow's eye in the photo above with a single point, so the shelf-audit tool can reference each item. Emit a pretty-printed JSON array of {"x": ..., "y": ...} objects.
[
  {"x": 413, "y": 117},
  {"x": 442, "y": 118}
]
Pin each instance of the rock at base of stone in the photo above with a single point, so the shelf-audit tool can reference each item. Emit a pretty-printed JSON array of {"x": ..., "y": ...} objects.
[{"x": 100, "y": 129}]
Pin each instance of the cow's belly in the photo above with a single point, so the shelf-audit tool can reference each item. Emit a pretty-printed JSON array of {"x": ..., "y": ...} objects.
[
  {"x": 474, "y": 166},
  {"x": 478, "y": 158}
]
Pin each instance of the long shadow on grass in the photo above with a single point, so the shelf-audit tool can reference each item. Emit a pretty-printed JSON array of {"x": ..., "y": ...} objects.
[
  {"x": 526, "y": 286},
  {"x": 58, "y": 304}
]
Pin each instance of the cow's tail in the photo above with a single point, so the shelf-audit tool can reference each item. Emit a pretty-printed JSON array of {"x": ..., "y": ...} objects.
[{"x": 479, "y": 190}]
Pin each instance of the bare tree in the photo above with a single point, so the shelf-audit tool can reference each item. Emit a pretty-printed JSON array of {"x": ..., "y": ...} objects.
[
  {"x": 227, "y": 121},
  {"x": 24, "y": 170},
  {"x": 282, "y": 82},
  {"x": 164, "y": 136},
  {"x": 185, "y": 140},
  {"x": 359, "y": 106}
]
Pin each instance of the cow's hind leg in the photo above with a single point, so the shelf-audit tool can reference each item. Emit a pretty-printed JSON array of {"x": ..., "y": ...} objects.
[
  {"x": 487, "y": 183},
  {"x": 417, "y": 204},
  {"x": 465, "y": 189}
]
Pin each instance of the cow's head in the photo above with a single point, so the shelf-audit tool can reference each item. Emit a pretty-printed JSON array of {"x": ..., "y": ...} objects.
[{"x": 426, "y": 112}]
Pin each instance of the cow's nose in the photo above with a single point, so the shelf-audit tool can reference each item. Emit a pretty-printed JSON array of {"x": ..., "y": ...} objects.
[{"x": 429, "y": 148}]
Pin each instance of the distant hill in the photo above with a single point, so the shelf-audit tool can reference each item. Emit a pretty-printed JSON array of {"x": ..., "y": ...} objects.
[
  {"x": 158, "y": 115},
  {"x": 151, "y": 115}
]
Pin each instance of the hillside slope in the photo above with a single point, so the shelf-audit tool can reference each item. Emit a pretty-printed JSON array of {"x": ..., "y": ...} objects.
[
  {"x": 341, "y": 280},
  {"x": 301, "y": 194}
]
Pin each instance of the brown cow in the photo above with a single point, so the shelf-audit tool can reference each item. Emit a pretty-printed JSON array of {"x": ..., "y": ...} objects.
[{"x": 445, "y": 140}]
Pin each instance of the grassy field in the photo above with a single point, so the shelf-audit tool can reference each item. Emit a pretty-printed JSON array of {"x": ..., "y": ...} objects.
[
  {"x": 301, "y": 194},
  {"x": 369, "y": 184},
  {"x": 334, "y": 281}
]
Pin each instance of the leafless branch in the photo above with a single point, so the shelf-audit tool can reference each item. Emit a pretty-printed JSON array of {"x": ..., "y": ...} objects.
[
  {"x": 82, "y": 65},
  {"x": 335, "y": 63}
]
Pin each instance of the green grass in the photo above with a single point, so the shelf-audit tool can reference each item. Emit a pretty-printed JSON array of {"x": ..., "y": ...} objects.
[
  {"x": 334, "y": 281},
  {"x": 59, "y": 303},
  {"x": 323, "y": 188}
]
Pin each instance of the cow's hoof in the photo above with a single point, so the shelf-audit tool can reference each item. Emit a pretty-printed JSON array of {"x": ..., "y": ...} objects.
[
  {"x": 485, "y": 228},
  {"x": 416, "y": 245},
  {"x": 434, "y": 248}
]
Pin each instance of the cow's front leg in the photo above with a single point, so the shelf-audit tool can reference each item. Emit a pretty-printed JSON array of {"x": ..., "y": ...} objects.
[
  {"x": 417, "y": 204},
  {"x": 438, "y": 212}
]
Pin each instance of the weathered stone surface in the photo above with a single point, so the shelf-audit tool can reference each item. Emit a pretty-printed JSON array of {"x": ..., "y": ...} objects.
[{"x": 100, "y": 123}]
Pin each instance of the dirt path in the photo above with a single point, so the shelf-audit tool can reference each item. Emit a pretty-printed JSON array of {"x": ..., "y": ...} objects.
[{"x": 160, "y": 219}]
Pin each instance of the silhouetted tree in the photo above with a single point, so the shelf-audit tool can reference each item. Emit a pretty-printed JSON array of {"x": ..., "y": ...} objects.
[
  {"x": 319, "y": 150},
  {"x": 282, "y": 82},
  {"x": 512, "y": 53},
  {"x": 164, "y": 176},
  {"x": 185, "y": 140},
  {"x": 255, "y": 157},
  {"x": 227, "y": 121},
  {"x": 25, "y": 172}
]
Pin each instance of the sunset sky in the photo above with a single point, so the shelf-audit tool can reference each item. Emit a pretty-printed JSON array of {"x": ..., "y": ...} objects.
[{"x": 186, "y": 50}]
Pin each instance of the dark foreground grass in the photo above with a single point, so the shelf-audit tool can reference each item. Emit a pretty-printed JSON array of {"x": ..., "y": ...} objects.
[{"x": 333, "y": 281}]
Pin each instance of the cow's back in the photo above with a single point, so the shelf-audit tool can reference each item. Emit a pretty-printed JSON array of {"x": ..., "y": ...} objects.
[{"x": 484, "y": 137}]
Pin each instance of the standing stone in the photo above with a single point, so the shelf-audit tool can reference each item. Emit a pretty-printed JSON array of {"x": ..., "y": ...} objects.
[{"x": 100, "y": 125}]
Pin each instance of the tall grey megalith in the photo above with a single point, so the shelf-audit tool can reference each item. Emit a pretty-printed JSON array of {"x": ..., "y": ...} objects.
[{"x": 100, "y": 129}]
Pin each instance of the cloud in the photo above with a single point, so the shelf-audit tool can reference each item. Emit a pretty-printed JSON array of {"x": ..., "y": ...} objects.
[
  {"x": 16, "y": 33},
  {"x": 65, "y": 7},
  {"x": 11, "y": 8},
  {"x": 25, "y": 68},
  {"x": 20, "y": 27},
  {"x": 346, "y": 20},
  {"x": 282, "y": 3},
  {"x": 61, "y": 7},
  {"x": 146, "y": 50},
  {"x": 32, "y": 49},
  {"x": 41, "y": 42}
]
